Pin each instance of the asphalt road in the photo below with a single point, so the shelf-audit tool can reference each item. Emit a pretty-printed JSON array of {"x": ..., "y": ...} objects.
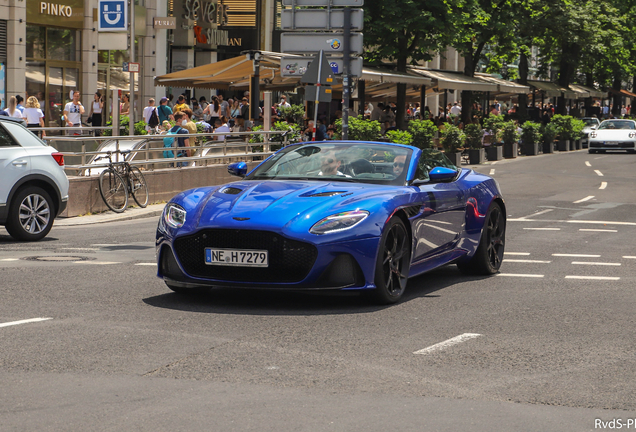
[{"x": 546, "y": 345}]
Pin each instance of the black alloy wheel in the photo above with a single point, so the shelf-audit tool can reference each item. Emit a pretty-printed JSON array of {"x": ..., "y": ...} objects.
[
  {"x": 489, "y": 255},
  {"x": 393, "y": 263}
]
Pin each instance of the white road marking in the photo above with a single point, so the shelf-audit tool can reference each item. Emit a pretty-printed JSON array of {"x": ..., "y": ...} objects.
[
  {"x": 593, "y": 277},
  {"x": 440, "y": 229},
  {"x": 520, "y": 275},
  {"x": 573, "y": 221},
  {"x": 543, "y": 229},
  {"x": 535, "y": 214},
  {"x": 526, "y": 261},
  {"x": 10, "y": 259},
  {"x": 603, "y": 185},
  {"x": 96, "y": 262},
  {"x": 595, "y": 263},
  {"x": 597, "y": 230},
  {"x": 588, "y": 164},
  {"x": 598, "y": 173},
  {"x": 576, "y": 255},
  {"x": 629, "y": 257},
  {"x": 146, "y": 264},
  {"x": 26, "y": 321},
  {"x": 80, "y": 249},
  {"x": 587, "y": 198},
  {"x": 492, "y": 172},
  {"x": 517, "y": 253},
  {"x": 448, "y": 343}
]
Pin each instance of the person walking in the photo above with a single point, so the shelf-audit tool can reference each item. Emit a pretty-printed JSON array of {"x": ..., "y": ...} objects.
[
  {"x": 19, "y": 106},
  {"x": 164, "y": 111},
  {"x": 151, "y": 116},
  {"x": 213, "y": 110},
  {"x": 283, "y": 102},
  {"x": 12, "y": 108},
  {"x": 225, "y": 107},
  {"x": 73, "y": 113},
  {"x": 95, "y": 113},
  {"x": 124, "y": 107},
  {"x": 34, "y": 115},
  {"x": 181, "y": 104}
]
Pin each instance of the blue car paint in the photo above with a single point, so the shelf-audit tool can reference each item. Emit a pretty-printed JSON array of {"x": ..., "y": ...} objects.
[{"x": 287, "y": 208}]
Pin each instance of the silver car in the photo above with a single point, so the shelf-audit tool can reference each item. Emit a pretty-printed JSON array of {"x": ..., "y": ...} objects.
[
  {"x": 33, "y": 185},
  {"x": 613, "y": 135},
  {"x": 590, "y": 123}
]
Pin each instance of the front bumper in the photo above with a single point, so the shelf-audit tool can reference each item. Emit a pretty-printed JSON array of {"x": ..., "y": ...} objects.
[{"x": 620, "y": 145}]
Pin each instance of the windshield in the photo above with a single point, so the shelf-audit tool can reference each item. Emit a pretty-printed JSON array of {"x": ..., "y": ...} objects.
[
  {"x": 348, "y": 162},
  {"x": 590, "y": 122},
  {"x": 617, "y": 124}
]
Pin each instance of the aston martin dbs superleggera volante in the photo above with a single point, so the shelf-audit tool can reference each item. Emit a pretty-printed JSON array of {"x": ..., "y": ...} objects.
[{"x": 333, "y": 215}]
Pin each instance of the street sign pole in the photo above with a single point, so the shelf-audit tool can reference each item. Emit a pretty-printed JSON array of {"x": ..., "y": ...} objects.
[
  {"x": 316, "y": 101},
  {"x": 131, "y": 98},
  {"x": 346, "y": 87}
]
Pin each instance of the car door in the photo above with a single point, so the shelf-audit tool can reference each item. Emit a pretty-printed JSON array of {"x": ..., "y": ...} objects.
[
  {"x": 15, "y": 163},
  {"x": 441, "y": 220}
]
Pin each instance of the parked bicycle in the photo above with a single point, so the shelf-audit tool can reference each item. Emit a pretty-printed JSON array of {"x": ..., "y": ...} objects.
[{"x": 120, "y": 179}]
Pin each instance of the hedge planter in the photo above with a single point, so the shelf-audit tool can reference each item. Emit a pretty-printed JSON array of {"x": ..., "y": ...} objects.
[
  {"x": 548, "y": 147},
  {"x": 564, "y": 145},
  {"x": 572, "y": 145},
  {"x": 476, "y": 156},
  {"x": 494, "y": 153},
  {"x": 579, "y": 145},
  {"x": 455, "y": 158},
  {"x": 531, "y": 149},
  {"x": 511, "y": 150}
]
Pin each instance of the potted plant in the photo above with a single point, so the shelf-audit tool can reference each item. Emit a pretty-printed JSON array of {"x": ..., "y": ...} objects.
[
  {"x": 400, "y": 137},
  {"x": 577, "y": 132},
  {"x": 476, "y": 152},
  {"x": 510, "y": 138},
  {"x": 549, "y": 133},
  {"x": 493, "y": 125},
  {"x": 452, "y": 141},
  {"x": 563, "y": 126},
  {"x": 423, "y": 133},
  {"x": 530, "y": 138}
]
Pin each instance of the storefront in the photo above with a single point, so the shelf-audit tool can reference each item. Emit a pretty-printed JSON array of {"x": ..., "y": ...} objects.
[{"x": 53, "y": 54}]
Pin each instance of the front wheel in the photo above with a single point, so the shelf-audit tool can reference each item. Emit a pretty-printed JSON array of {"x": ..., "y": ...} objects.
[
  {"x": 393, "y": 263},
  {"x": 113, "y": 190},
  {"x": 31, "y": 214},
  {"x": 138, "y": 187},
  {"x": 489, "y": 254}
]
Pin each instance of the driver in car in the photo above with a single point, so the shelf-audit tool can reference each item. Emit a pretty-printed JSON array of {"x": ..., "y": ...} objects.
[
  {"x": 398, "y": 164},
  {"x": 329, "y": 164}
]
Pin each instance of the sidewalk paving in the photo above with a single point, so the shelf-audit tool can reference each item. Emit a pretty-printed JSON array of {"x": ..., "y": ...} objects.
[{"x": 110, "y": 216}]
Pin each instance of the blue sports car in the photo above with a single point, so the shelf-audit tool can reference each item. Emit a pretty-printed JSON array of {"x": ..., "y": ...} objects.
[{"x": 333, "y": 215}]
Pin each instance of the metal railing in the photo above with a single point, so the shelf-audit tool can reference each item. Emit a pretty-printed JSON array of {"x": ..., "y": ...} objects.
[{"x": 212, "y": 151}]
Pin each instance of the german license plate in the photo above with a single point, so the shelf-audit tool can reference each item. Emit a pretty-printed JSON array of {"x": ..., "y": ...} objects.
[
  {"x": 236, "y": 257},
  {"x": 611, "y": 142}
]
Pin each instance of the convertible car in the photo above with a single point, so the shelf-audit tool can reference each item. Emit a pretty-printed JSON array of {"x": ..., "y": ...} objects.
[
  {"x": 333, "y": 215},
  {"x": 613, "y": 135}
]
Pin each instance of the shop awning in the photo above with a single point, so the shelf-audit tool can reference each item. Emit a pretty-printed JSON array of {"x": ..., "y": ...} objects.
[
  {"x": 505, "y": 86},
  {"x": 551, "y": 89},
  {"x": 624, "y": 93},
  {"x": 455, "y": 81},
  {"x": 187, "y": 77},
  {"x": 592, "y": 92},
  {"x": 384, "y": 76}
]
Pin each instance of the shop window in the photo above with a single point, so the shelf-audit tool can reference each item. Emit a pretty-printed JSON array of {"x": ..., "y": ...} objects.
[
  {"x": 36, "y": 39},
  {"x": 63, "y": 44}
]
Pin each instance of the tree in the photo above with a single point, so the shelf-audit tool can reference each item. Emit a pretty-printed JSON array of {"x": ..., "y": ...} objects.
[{"x": 405, "y": 32}]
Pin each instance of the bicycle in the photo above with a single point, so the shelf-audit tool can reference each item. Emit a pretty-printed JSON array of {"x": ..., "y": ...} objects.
[{"x": 120, "y": 179}]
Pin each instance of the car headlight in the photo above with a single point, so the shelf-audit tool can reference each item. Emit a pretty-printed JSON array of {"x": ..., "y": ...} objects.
[
  {"x": 174, "y": 215},
  {"x": 339, "y": 222}
]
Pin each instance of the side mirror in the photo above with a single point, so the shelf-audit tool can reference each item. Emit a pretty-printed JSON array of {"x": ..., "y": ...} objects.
[
  {"x": 441, "y": 174},
  {"x": 593, "y": 127},
  {"x": 237, "y": 169}
]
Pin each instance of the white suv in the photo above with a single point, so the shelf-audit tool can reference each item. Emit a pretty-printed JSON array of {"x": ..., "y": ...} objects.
[{"x": 33, "y": 185}]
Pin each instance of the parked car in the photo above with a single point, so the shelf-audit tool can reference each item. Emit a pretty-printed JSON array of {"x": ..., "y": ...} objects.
[
  {"x": 333, "y": 215},
  {"x": 590, "y": 122},
  {"x": 33, "y": 185},
  {"x": 613, "y": 135}
]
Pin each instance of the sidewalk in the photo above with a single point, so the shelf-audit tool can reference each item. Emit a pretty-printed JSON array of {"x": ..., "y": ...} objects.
[{"x": 109, "y": 216}]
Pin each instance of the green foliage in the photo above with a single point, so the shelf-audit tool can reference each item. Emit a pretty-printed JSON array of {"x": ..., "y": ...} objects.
[
  {"x": 140, "y": 127},
  {"x": 577, "y": 128},
  {"x": 452, "y": 138},
  {"x": 423, "y": 132},
  {"x": 360, "y": 129},
  {"x": 564, "y": 126},
  {"x": 549, "y": 133},
  {"x": 494, "y": 124},
  {"x": 509, "y": 133},
  {"x": 256, "y": 138},
  {"x": 474, "y": 135},
  {"x": 293, "y": 114},
  {"x": 530, "y": 133},
  {"x": 399, "y": 137}
]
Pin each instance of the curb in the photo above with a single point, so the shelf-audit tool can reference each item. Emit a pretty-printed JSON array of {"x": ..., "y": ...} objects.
[{"x": 130, "y": 214}]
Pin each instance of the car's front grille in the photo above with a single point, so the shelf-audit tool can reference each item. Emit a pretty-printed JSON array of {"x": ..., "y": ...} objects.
[
  {"x": 619, "y": 144},
  {"x": 289, "y": 260}
]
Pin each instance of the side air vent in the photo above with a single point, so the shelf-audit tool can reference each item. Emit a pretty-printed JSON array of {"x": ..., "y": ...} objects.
[
  {"x": 326, "y": 194},
  {"x": 412, "y": 210},
  {"x": 231, "y": 190}
]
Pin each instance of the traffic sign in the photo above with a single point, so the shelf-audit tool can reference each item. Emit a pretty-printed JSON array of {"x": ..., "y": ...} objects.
[
  {"x": 113, "y": 15},
  {"x": 325, "y": 3},
  {"x": 314, "y": 42},
  {"x": 318, "y": 71},
  {"x": 324, "y": 93},
  {"x": 130, "y": 67},
  {"x": 295, "y": 66},
  {"x": 320, "y": 19}
]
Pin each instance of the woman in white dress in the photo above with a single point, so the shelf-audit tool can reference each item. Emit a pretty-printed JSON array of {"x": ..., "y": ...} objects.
[
  {"x": 33, "y": 114},
  {"x": 12, "y": 109}
]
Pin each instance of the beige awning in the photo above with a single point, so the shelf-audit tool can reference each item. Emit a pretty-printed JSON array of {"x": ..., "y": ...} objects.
[
  {"x": 455, "y": 80},
  {"x": 592, "y": 92},
  {"x": 551, "y": 89},
  {"x": 384, "y": 76},
  {"x": 505, "y": 86}
]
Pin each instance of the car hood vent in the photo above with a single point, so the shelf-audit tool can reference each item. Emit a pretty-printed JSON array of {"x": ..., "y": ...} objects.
[
  {"x": 326, "y": 194},
  {"x": 231, "y": 190}
]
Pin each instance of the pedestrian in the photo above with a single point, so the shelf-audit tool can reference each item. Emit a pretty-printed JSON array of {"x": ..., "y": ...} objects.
[
  {"x": 95, "y": 114},
  {"x": 151, "y": 116},
  {"x": 124, "y": 107},
  {"x": 170, "y": 103},
  {"x": 283, "y": 102},
  {"x": 225, "y": 107},
  {"x": 19, "y": 100},
  {"x": 220, "y": 125},
  {"x": 164, "y": 111},
  {"x": 213, "y": 110},
  {"x": 203, "y": 102},
  {"x": 190, "y": 125},
  {"x": 197, "y": 112},
  {"x": 245, "y": 109},
  {"x": 377, "y": 112},
  {"x": 178, "y": 129},
  {"x": 12, "y": 109},
  {"x": 73, "y": 113},
  {"x": 181, "y": 104},
  {"x": 34, "y": 115}
]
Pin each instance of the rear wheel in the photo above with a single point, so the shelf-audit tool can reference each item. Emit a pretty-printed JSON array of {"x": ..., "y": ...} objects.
[
  {"x": 31, "y": 214},
  {"x": 113, "y": 190},
  {"x": 591, "y": 151},
  {"x": 138, "y": 187},
  {"x": 489, "y": 254},
  {"x": 393, "y": 263}
]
